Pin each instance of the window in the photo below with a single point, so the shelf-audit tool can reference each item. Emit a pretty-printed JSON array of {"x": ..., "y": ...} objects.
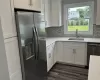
[{"x": 79, "y": 16}]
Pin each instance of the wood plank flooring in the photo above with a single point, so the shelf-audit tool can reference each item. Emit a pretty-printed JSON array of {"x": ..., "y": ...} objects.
[{"x": 67, "y": 72}]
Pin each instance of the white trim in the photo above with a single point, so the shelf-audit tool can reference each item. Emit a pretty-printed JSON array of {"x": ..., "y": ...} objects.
[{"x": 91, "y": 4}]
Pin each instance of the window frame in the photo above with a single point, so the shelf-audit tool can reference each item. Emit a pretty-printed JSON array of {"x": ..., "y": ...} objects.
[{"x": 91, "y": 4}]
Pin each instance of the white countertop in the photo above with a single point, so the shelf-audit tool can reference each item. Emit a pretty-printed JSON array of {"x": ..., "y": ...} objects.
[{"x": 54, "y": 39}]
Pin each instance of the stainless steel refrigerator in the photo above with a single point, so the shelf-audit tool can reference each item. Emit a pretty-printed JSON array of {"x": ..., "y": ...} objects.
[{"x": 32, "y": 45}]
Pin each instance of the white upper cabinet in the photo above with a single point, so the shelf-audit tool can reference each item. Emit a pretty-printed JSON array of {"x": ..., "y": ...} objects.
[
  {"x": 52, "y": 12},
  {"x": 36, "y": 5},
  {"x": 47, "y": 13},
  {"x": 28, "y": 4},
  {"x": 23, "y": 4},
  {"x": 98, "y": 13},
  {"x": 9, "y": 30},
  {"x": 56, "y": 13}
]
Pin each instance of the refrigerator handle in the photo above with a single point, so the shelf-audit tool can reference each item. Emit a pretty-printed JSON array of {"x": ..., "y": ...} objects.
[
  {"x": 37, "y": 42},
  {"x": 34, "y": 36}
]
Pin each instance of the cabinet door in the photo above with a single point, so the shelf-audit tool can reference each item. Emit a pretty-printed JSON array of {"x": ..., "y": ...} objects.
[
  {"x": 56, "y": 13},
  {"x": 9, "y": 30},
  {"x": 4, "y": 73},
  {"x": 81, "y": 54},
  {"x": 59, "y": 51},
  {"x": 55, "y": 53},
  {"x": 98, "y": 13},
  {"x": 43, "y": 7},
  {"x": 50, "y": 60},
  {"x": 36, "y": 5},
  {"x": 47, "y": 13},
  {"x": 23, "y": 4},
  {"x": 68, "y": 56},
  {"x": 13, "y": 58}
]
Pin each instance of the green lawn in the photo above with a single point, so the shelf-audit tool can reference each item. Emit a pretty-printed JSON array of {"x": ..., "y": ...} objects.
[{"x": 80, "y": 28}]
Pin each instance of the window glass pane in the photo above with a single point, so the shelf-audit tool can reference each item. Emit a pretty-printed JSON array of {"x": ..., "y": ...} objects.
[{"x": 78, "y": 18}]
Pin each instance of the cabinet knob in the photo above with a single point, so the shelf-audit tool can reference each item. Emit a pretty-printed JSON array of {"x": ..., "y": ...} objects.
[
  {"x": 49, "y": 55},
  {"x": 74, "y": 51},
  {"x": 30, "y": 2}
]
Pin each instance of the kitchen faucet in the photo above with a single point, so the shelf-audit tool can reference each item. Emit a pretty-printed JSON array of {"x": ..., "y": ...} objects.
[{"x": 77, "y": 33}]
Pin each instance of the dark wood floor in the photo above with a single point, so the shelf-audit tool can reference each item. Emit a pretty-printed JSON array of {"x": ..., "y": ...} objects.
[{"x": 67, "y": 72}]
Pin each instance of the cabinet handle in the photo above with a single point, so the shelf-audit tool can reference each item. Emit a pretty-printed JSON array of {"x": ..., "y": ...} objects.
[
  {"x": 49, "y": 55},
  {"x": 74, "y": 51},
  {"x": 30, "y": 3}
]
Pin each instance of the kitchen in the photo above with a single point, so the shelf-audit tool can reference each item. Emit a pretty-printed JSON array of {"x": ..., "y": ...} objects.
[{"x": 67, "y": 47}]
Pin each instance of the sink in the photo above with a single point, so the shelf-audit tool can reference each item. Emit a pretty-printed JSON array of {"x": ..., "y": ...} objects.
[{"x": 76, "y": 39}]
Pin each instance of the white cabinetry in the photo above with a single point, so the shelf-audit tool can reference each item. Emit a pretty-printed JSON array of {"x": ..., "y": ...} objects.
[
  {"x": 23, "y": 4},
  {"x": 98, "y": 13},
  {"x": 56, "y": 13},
  {"x": 9, "y": 30},
  {"x": 13, "y": 59},
  {"x": 47, "y": 12},
  {"x": 52, "y": 12},
  {"x": 81, "y": 54},
  {"x": 55, "y": 52},
  {"x": 36, "y": 5},
  {"x": 75, "y": 53},
  {"x": 68, "y": 56},
  {"x": 59, "y": 51},
  {"x": 50, "y": 56},
  {"x": 4, "y": 74},
  {"x": 28, "y": 4}
]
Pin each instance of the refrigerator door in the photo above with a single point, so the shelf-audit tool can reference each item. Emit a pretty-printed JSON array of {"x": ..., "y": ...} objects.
[
  {"x": 40, "y": 25},
  {"x": 33, "y": 68},
  {"x": 26, "y": 33},
  {"x": 41, "y": 35},
  {"x": 41, "y": 43}
]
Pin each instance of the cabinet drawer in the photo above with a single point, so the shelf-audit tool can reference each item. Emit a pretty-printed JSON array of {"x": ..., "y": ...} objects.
[{"x": 74, "y": 44}]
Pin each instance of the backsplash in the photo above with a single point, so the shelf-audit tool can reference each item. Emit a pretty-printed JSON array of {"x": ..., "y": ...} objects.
[
  {"x": 59, "y": 32},
  {"x": 96, "y": 31}
]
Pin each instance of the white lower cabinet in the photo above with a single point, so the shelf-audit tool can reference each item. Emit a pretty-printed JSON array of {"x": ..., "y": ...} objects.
[
  {"x": 55, "y": 52},
  {"x": 67, "y": 52},
  {"x": 13, "y": 58},
  {"x": 50, "y": 56},
  {"x": 59, "y": 51},
  {"x": 16, "y": 76},
  {"x": 72, "y": 52},
  {"x": 75, "y": 53},
  {"x": 81, "y": 54},
  {"x": 68, "y": 55}
]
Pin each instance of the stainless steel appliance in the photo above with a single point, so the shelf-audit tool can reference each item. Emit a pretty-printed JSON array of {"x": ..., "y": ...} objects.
[
  {"x": 31, "y": 37},
  {"x": 92, "y": 49}
]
